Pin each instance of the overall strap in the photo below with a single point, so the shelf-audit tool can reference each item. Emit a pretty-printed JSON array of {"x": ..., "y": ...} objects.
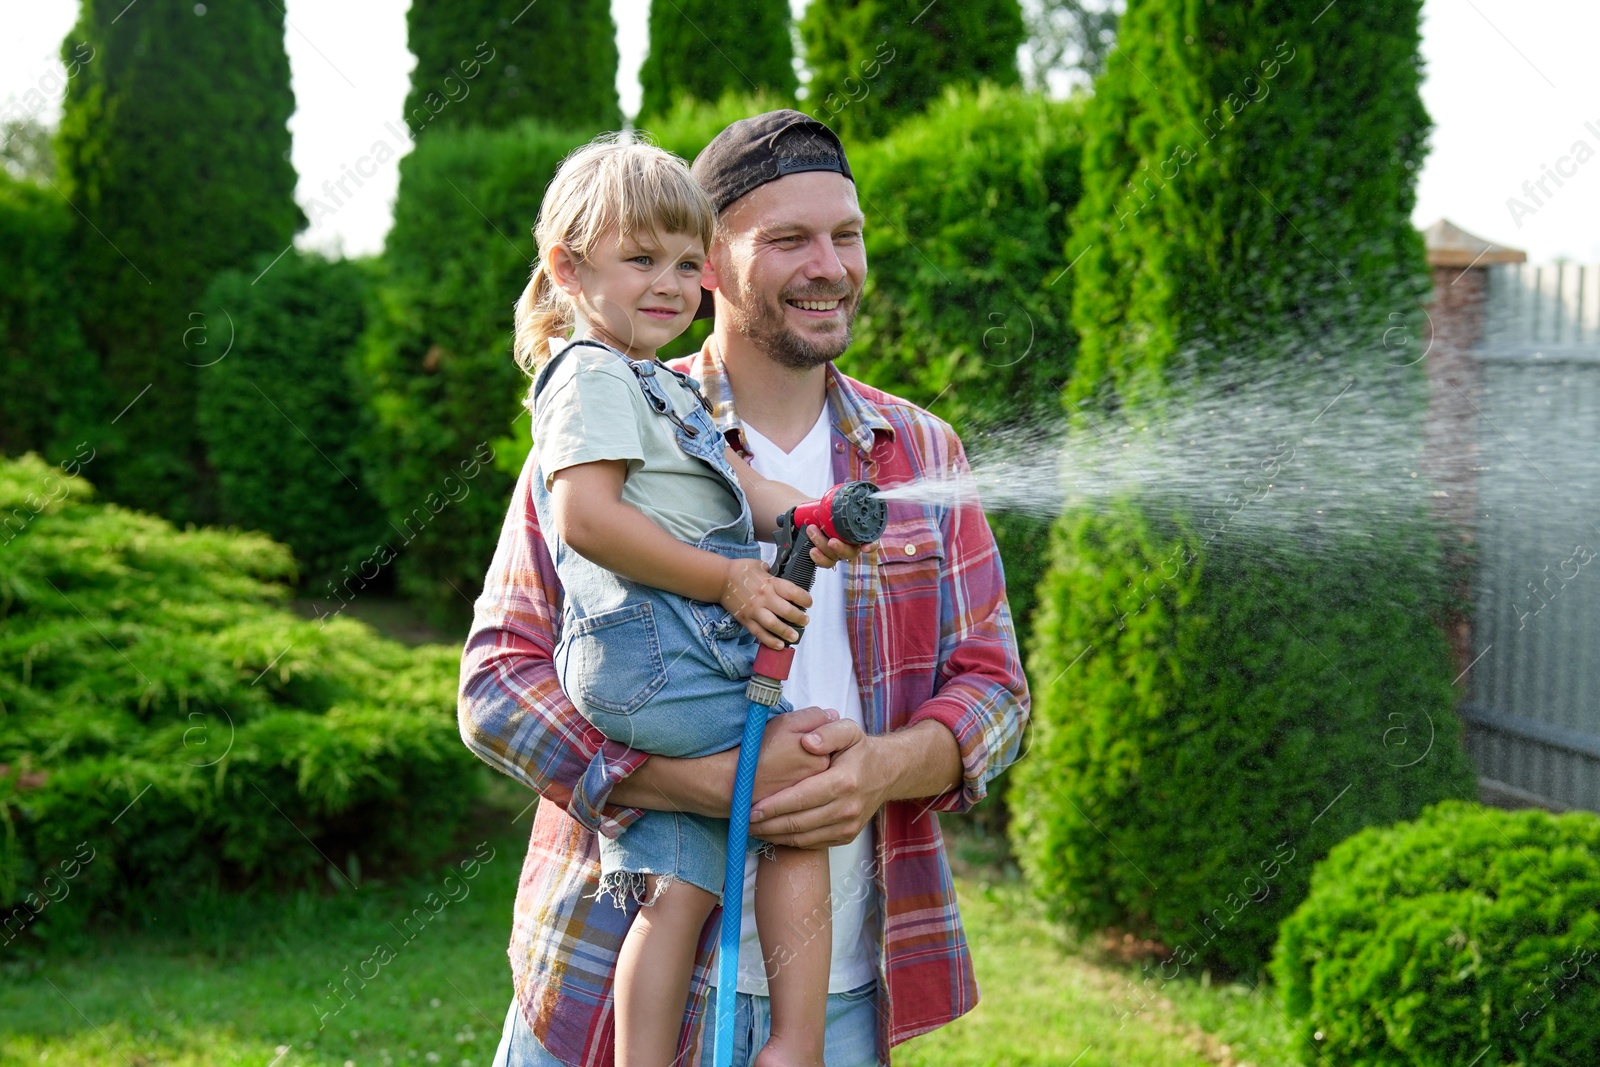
[
  {"x": 645, "y": 370},
  {"x": 549, "y": 368}
]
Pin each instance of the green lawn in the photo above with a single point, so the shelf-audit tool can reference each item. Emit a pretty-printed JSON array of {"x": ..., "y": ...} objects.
[
  {"x": 246, "y": 982},
  {"x": 1045, "y": 1001}
]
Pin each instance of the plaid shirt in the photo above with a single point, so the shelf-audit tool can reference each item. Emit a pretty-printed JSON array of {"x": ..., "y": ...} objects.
[{"x": 932, "y": 639}]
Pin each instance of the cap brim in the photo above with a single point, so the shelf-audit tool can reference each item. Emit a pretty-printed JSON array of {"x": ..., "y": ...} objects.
[{"x": 708, "y": 306}]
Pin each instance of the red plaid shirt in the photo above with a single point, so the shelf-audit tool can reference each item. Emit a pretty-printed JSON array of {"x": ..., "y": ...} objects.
[{"x": 932, "y": 638}]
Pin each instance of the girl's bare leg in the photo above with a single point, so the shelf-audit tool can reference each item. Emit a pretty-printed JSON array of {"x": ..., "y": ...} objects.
[
  {"x": 653, "y": 972},
  {"x": 794, "y": 916}
]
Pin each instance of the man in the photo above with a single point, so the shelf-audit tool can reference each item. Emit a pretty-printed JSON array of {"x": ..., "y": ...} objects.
[{"x": 910, "y": 691}]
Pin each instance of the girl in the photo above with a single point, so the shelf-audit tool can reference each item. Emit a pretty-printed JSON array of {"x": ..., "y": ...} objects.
[{"x": 651, "y": 520}]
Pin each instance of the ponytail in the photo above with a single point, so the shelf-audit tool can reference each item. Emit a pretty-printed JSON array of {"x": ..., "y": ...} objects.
[{"x": 542, "y": 312}]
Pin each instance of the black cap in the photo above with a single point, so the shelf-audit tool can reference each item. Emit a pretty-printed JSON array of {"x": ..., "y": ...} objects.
[{"x": 752, "y": 152}]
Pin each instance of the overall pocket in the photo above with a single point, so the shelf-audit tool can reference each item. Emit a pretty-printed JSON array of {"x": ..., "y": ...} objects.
[
  {"x": 613, "y": 659},
  {"x": 731, "y": 647}
]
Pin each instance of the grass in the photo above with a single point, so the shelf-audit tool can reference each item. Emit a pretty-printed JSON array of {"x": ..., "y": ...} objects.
[
  {"x": 246, "y": 981},
  {"x": 1048, "y": 999}
]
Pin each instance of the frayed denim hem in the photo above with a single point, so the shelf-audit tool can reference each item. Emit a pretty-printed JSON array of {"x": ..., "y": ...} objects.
[{"x": 623, "y": 886}]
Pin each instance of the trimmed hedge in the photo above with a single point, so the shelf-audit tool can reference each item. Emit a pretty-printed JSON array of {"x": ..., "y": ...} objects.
[
  {"x": 51, "y": 393},
  {"x": 436, "y": 368},
  {"x": 1468, "y": 935},
  {"x": 1248, "y": 185},
  {"x": 277, "y": 410},
  {"x": 493, "y": 63},
  {"x": 1203, "y": 688},
  {"x": 169, "y": 726}
]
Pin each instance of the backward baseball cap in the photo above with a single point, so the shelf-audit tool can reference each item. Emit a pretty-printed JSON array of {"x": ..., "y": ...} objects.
[{"x": 752, "y": 152}]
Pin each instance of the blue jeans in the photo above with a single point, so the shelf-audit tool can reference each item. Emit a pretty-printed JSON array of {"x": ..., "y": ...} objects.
[{"x": 851, "y": 1039}]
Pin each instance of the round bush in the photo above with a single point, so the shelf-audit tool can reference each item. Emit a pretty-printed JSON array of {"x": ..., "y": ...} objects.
[
  {"x": 1470, "y": 935},
  {"x": 1209, "y": 719}
]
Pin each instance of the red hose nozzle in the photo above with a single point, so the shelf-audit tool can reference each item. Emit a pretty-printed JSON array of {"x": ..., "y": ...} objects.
[{"x": 850, "y": 511}]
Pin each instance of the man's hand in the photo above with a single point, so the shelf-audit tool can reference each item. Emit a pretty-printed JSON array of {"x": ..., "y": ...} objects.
[
  {"x": 864, "y": 772},
  {"x": 826, "y": 551},
  {"x": 704, "y": 785},
  {"x": 829, "y": 808}
]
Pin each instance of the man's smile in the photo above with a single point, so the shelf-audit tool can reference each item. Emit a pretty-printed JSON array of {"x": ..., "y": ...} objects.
[{"x": 815, "y": 305}]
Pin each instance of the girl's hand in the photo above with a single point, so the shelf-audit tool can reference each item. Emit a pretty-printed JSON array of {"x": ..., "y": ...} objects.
[
  {"x": 768, "y": 606},
  {"x": 830, "y": 550}
]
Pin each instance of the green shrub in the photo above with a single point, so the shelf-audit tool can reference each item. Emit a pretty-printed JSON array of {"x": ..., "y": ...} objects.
[
  {"x": 1193, "y": 717},
  {"x": 874, "y": 63},
  {"x": 1469, "y": 935},
  {"x": 278, "y": 412},
  {"x": 50, "y": 390},
  {"x": 704, "y": 49},
  {"x": 166, "y": 715},
  {"x": 436, "y": 365},
  {"x": 174, "y": 152}
]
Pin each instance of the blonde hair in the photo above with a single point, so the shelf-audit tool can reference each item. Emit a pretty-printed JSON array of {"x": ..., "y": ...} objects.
[{"x": 614, "y": 184}]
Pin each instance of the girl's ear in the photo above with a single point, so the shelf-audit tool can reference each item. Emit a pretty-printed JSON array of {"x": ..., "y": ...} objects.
[{"x": 562, "y": 266}]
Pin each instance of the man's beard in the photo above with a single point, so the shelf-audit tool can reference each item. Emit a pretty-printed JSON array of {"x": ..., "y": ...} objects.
[{"x": 765, "y": 325}]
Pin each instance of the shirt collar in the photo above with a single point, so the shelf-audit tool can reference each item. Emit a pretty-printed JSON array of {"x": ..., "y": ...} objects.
[{"x": 851, "y": 414}]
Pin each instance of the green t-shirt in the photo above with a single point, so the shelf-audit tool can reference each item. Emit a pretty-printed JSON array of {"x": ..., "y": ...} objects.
[{"x": 593, "y": 409}]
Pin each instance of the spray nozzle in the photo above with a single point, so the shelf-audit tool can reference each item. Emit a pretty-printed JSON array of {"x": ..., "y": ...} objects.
[{"x": 851, "y": 512}]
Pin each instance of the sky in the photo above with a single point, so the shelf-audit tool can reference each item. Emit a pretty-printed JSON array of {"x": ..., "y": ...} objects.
[{"x": 1512, "y": 86}]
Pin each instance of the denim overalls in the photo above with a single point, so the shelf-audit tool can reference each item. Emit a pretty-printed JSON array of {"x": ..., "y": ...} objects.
[{"x": 655, "y": 671}]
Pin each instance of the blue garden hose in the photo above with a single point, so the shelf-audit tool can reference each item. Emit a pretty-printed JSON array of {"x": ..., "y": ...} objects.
[
  {"x": 744, "y": 780},
  {"x": 851, "y": 512}
]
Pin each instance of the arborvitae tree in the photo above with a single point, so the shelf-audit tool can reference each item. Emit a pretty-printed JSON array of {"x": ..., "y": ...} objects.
[
  {"x": 174, "y": 149},
  {"x": 875, "y": 61},
  {"x": 492, "y": 62},
  {"x": 706, "y": 48},
  {"x": 1221, "y": 694},
  {"x": 1249, "y": 171}
]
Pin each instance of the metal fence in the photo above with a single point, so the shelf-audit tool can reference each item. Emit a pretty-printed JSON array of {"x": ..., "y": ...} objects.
[{"x": 1532, "y": 713}]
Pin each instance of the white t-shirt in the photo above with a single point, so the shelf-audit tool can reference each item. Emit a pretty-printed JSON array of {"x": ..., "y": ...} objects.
[{"x": 823, "y": 675}]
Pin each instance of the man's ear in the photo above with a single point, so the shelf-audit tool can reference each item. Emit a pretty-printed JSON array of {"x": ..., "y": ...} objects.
[
  {"x": 562, "y": 266},
  {"x": 708, "y": 274}
]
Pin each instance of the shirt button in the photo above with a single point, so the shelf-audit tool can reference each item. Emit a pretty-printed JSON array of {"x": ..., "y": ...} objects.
[
  {"x": 838, "y": 446},
  {"x": 911, "y": 550}
]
